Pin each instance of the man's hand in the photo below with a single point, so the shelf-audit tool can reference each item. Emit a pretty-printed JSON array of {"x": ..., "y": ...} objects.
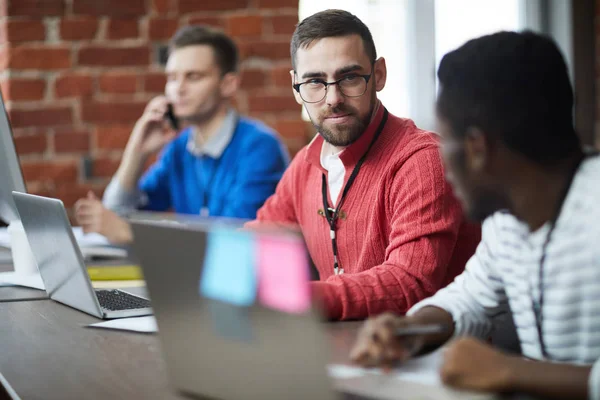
[
  {"x": 377, "y": 345},
  {"x": 473, "y": 365},
  {"x": 91, "y": 214},
  {"x": 152, "y": 132}
]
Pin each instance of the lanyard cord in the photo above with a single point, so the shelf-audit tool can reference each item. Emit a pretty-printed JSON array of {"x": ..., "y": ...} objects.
[{"x": 332, "y": 214}]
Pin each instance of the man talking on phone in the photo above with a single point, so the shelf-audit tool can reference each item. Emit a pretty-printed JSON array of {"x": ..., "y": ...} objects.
[{"x": 221, "y": 164}]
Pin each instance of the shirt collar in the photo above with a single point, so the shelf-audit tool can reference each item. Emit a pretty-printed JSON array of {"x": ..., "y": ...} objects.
[
  {"x": 352, "y": 153},
  {"x": 217, "y": 143}
]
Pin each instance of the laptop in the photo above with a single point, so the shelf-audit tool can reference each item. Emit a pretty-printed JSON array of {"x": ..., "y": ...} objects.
[
  {"x": 218, "y": 350},
  {"x": 61, "y": 264}
]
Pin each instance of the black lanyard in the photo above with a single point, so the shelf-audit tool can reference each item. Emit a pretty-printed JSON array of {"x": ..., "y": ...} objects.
[
  {"x": 538, "y": 309},
  {"x": 332, "y": 214},
  {"x": 204, "y": 211}
]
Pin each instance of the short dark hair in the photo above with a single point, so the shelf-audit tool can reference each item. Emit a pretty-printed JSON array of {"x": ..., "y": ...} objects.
[
  {"x": 226, "y": 52},
  {"x": 515, "y": 87},
  {"x": 331, "y": 23}
]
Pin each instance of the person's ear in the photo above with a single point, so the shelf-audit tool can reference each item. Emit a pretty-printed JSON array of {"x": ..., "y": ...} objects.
[
  {"x": 296, "y": 94},
  {"x": 380, "y": 74},
  {"x": 477, "y": 150},
  {"x": 230, "y": 84}
]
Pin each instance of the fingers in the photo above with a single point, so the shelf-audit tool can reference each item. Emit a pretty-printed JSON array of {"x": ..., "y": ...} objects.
[
  {"x": 157, "y": 105},
  {"x": 378, "y": 346}
]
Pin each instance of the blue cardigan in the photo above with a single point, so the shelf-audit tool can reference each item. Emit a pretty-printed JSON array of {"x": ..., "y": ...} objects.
[{"x": 234, "y": 185}]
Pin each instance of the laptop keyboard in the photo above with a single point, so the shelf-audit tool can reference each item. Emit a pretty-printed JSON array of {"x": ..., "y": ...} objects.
[{"x": 116, "y": 300}]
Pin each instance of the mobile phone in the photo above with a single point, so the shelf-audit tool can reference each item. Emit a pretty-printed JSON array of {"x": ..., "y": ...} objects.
[{"x": 170, "y": 116}]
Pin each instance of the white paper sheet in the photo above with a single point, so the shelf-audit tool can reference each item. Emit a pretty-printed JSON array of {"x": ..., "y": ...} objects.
[
  {"x": 91, "y": 244},
  {"x": 423, "y": 370},
  {"x": 136, "y": 324},
  {"x": 13, "y": 279}
]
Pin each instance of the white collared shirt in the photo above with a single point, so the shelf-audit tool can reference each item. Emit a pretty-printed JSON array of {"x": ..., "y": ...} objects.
[{"x": 330, "y": 160}]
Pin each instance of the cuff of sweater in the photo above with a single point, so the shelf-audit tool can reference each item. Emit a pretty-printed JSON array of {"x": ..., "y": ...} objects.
[
  {"x": 594, "y": 382},
  {"x": 324, "y": 293}
]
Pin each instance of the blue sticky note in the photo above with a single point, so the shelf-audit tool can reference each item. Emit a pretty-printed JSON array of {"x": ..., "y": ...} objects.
[{"x": 229, "y": 272}]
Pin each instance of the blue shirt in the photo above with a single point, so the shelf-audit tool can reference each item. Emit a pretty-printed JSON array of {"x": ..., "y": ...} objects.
[{"x": 234, "y": 184}]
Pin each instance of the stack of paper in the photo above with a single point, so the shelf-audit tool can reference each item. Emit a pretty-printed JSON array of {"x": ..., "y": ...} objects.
[
  {"x": 13, "y": 279},
  {"x": 137, "y": 324},
  {"x": 91, "y": 244}
]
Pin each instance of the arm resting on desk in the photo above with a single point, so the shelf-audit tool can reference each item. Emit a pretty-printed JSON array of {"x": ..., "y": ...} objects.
[{"x": 473, "y": 365}]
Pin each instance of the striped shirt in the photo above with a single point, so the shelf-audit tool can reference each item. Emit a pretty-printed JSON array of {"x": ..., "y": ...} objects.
[{"x": 504, "y": 275}]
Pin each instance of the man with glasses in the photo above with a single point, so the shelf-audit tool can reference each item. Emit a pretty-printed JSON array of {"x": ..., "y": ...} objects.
[{"x": 368, "y": 193}]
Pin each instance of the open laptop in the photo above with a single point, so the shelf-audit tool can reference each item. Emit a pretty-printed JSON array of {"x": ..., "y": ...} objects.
[
  {"x": 61, "y": 264},
  {"x": 217, "y": 350}
]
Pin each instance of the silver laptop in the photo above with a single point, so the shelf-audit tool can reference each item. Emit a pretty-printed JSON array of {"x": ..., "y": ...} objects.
[
  {"x": 11, "y": 177},
  {"x": 61, "y": 264},
  {"x": 218, "y": 350}
]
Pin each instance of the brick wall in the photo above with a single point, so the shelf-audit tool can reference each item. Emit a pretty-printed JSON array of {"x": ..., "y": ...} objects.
[{"x": 78, "y": 73}]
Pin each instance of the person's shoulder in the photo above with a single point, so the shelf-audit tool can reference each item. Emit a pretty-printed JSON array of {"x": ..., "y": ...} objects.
[
  {"x": 253, "y": 129},
  {"x": 407, "y": 138},
  {"x": 503, "y": 224}
]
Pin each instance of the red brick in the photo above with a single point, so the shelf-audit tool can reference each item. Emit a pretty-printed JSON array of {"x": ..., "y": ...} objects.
[
  {"x": 79, "y": 28},
  {"x": 284, "y": 24},
  {"x": 71, "y": 142},
  {"x": 35, "y": 8},
  {"x": 112, "y": 112},
  {"x": 292, "y": 128},
  {"x": 189, "y": 6},
  {"x": 244, "y": 25},
  {"x": 48, "y": 116},
  {"x": 277, "y": 4},
  {"x": 73, "y": 86},
  {"x": 211, "y": 21},
  {"x": 31, "y": 144},
  {"x": 123, "y": 29},
  {"x": 111, "y": 137},
  {"x": 163, "y": 6},
  {"x": 110, "y": 7},
  {"x": 155, "y": 83},
  {"x": 114, "y": 56},
  {"x": 266, "y": 103},
  {"x": 268, "y": 49},
  {"x": 24, "y": 30},
  {"x": 253, "y": 78},
  {"x": 40, "y": 58},
  {"x": 118, "y": 83},
  {"x": 280, "y": 76},
  {"x": 55, "y": 171},
  {"x": 105, "y": 167},
  {"x": 162, "y": 28},
  {"x": 22, "y": 89}
]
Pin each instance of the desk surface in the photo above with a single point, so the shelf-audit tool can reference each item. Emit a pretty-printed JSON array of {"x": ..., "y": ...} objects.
[{"x": 47, "y": 353}]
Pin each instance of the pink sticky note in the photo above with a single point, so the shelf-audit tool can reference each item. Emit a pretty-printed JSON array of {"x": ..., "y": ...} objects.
[{"x": 283, "y": 277}]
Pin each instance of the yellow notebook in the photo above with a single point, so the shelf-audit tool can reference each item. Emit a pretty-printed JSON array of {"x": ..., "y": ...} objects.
[{"x": 115, "y": 273}]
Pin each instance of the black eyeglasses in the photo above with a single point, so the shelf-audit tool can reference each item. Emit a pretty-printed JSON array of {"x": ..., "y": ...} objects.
[{"x": 315, "y": 90}]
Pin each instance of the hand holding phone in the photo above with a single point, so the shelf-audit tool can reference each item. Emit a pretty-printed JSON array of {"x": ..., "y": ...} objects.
[{"x": 170, "y": 116}]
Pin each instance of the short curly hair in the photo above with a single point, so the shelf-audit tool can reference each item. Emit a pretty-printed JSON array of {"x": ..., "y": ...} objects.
[{"x": 514, "y": 87}]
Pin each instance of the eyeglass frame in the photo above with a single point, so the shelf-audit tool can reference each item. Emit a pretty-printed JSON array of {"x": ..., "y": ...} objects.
[{"x": 367, "y": 78}]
